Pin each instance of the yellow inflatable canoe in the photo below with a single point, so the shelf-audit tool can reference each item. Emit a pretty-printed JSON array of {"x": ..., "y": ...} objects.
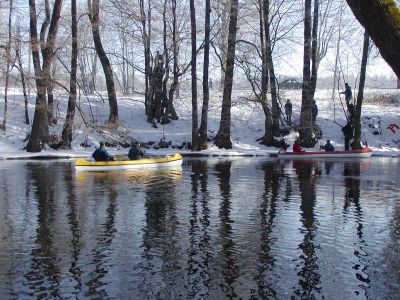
[{"x": 123, "y": 163}]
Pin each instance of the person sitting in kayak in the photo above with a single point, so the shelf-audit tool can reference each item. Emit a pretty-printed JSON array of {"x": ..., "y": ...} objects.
[
  {"x": 135, "y": 152},
  {"x": 297, "y": 147},
  {"x": 328, "y": 146},
  {"x": 101, "y": 154}
]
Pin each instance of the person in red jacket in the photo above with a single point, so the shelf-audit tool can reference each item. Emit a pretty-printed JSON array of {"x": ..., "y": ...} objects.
[{"x": 297, "y": 147}]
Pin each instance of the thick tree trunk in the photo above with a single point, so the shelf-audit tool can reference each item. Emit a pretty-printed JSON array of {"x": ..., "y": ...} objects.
[
  {"x": 381, "y": 19},
  {"x": 357, "y": 116},
  {"x": 271, "y": 70},
  {"x": 306, "y": 128},
  {"x": 223, "y": 138},
  {"x": 195, "y": 129},
  {"x": 268, "y": 138},
  {"x": 108, "y": 73},
  {"x": 69, "y": 120},
  {"x": 203, "y": 142},
  {"x": 169, "y": 105},
  {"x": 40, "y": 127},
  {"x": 314, "y": 50}
]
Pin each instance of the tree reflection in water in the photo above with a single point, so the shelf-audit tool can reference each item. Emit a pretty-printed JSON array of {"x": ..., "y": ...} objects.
[
  {"x": 100, "y": 253},
  {"x": 265, "y": 277},
  {"x": 351, "y": 173},
  {"x": 199, "y": 251},
  {"x": 75, "y": 228},
  {"x": 229, "y": 268},
  {"x": 43, "y": 276},
  {"x": 310, "y": 278},
  {"x": 161, "y": 271}
]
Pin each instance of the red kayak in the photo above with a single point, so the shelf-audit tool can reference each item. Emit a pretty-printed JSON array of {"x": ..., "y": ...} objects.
[{"x": 360, "y": 153}]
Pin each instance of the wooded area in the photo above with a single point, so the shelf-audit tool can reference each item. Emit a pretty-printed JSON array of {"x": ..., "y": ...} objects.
[{"x": 150, "y": 47}]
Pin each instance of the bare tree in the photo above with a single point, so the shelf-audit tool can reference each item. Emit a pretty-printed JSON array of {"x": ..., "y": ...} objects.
[
  {"x": 271, "y": 70},
  {"x": 203, "y": 142},
  {"x": 169, "y": 101},
  {"x": 306, "y": 126},
  {"x": 357, "y": 116},
  {"x": 93, "y": 6},
  {"x": 22, "y": 74},
  {"x": 8, "y": 66},
  {"x": 195, "y": 129},
  {"x": 223, "y": 138},
  {"x": 69, "y": 120},
  {"x": 40, "y": 127}
]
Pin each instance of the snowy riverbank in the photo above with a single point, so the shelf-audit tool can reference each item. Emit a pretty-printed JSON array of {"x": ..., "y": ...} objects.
[{"x": 380, "y": 125}]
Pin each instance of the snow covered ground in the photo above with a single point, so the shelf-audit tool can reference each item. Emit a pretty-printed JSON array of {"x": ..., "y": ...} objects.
[{"x": 380, "y": 123}]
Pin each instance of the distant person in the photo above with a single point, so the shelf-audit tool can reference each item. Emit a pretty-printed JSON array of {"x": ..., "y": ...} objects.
[
  {"x": 351, "y": 110},
  {"x": 348, "y": 135},
  {"x": 348, "y": 95},
  {"x": 288, "y": 112},
  {"x": 210, "y": 84},
  {"x": 328, "y": 146},
  {"x": 297, "y": 147},
  {"x": 101, "y": 154},
  {"x": 314, "y": 111},
  {"x": 135, "y": 152}
]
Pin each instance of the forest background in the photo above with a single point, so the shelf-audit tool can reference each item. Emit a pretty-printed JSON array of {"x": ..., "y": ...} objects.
[{"x": 191, "y": 75}]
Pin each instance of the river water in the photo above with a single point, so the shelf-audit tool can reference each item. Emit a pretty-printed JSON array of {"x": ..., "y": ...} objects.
[{"x": 250, "y": 228}]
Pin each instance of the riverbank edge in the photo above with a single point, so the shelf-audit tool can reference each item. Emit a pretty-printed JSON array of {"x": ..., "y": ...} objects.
[{"x": 267, "y": 153}]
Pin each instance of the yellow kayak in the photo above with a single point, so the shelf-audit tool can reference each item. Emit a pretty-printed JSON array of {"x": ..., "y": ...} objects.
[{"x": 123, "y": 163}]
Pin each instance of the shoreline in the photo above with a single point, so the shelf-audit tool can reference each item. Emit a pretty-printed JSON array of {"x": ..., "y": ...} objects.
[{"x": 394, "y": 153}]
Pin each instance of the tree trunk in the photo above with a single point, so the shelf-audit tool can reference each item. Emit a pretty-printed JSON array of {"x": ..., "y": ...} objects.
[
  {"x": 8, "y": 58},
  {"x": 169, "y": 105},
  {"x": 195, "y": 129},
  {"x": 50, "y": 96},
  {"x": 306, "y": 128},
  {"x": 223, "y": 138},
  {"x": 314, "y": 50},
  {"x": 69, "y": 120},
  {"x": 268, "y": 138},
  {"x": 381, "y": 20},
  {"x": 40, "y": 127},
  {"x": 147, "y": 67},
  {"x": 21, "y": 71},
  {"x": 271, "y": 71},
  {"x": 93, "y": 6},
  {"x": 357, "y": 116},
  {"x": 203, "y": 142},
  {"x": 49, "y": 84}
]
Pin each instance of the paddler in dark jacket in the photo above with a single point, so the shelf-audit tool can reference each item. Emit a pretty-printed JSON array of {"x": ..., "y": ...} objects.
[
  {"x": 101, "y": 154},
  {"x": 135, "y": 152}
]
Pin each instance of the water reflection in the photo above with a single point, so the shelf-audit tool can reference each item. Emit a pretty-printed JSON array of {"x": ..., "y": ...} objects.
[
  {"x": 43, "y": 274},
  {"x": 161, "y": 250},
  {"x": 266, "y": 275},
  {"x": 250, "y": 229},
  {"x": 310, "y": 278},
  {"x": 352, "y": 205},
  {"x": 199, "y": 251}
]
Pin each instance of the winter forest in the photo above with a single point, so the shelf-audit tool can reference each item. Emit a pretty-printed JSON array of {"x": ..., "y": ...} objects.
[{"x": 63, "y": 56}]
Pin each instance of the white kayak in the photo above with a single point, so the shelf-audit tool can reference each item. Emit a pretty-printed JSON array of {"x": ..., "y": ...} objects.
[
  {"x": 360, "y": 153},
  {"x": 123, "y": 163}
]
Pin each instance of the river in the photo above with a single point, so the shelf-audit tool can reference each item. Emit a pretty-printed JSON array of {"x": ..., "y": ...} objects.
[{"x": 250, "y": 228}]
